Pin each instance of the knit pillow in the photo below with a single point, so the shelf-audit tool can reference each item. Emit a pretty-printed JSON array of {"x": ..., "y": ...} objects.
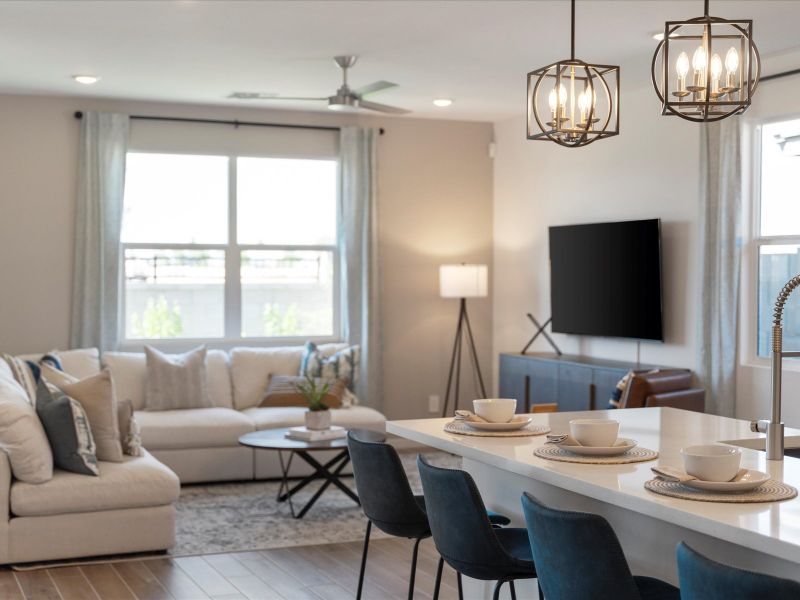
[
  {"x": 343, "y": 365},
  {"x": 176, "y": 381}
]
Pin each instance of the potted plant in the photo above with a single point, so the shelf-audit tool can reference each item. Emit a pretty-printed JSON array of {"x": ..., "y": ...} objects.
[{"x": 317, "y": 416}]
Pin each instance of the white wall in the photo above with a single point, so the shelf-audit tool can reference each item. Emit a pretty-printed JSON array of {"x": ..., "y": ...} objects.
[{"x": 435, "y": 192}]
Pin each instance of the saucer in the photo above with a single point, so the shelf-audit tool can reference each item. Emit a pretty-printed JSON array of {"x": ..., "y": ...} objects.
[
  {"x": 517, "y": 422},
  {"x": 749, "y": 481},
  {"x": 621, "y": 446}
]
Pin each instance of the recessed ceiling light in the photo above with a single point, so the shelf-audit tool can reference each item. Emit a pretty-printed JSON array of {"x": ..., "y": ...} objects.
[
  {"x": 443, "y": 102},
  {"x": 86, "y": 79}
]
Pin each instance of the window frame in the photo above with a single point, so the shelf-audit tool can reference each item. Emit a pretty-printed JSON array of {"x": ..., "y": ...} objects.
[
  {"x": 232, "y": 295},
  {"x": 755, "y": 241}
]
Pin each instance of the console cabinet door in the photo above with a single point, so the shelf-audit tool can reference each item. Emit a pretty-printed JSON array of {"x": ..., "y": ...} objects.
[
  {"x": 574, "y": 387},
  {"x": 543, "y": 387},
  {"x": 605, "y": 381},
  {"x": 513, "y": 371}
]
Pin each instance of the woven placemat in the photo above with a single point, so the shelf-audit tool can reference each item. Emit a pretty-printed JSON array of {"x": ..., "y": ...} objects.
[
  {"x": 771, "y": 491},
  {"x": 462, "y": 428},
  {"x": 553, "y": 452}
]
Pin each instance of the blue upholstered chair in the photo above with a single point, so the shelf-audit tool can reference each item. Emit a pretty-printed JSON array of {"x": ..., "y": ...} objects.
[
  {"x": 464, "y": 536},
  {"x": 579, "y": 557},
  {"x": 386, "y": 496},
  {"x": 704, "y": 579}
]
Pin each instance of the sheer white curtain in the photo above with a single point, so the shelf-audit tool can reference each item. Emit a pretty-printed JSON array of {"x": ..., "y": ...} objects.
[
  {"x": 98, "y": 225},
  {"x": 720, "y": 244},
  {"x": 358, "y": 232}
]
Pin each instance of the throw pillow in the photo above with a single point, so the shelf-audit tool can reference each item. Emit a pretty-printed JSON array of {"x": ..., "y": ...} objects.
[
  {"x": 282, "y": 391},
  {"x": 176, "y": 381},
  {"x": 343, "y": 364},
  {"x": 24, "y": 375},
  {"x": 96, "y": 395},
  {"x": 22, "y": 436},
  {"x": 129, "y": 429},
  {"x": 68, "y": 431}
]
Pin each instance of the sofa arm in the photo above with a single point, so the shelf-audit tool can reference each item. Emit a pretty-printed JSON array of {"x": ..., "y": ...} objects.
[
  {"x": 691, "y": 399},
  {"x": 5, "y": 488}
]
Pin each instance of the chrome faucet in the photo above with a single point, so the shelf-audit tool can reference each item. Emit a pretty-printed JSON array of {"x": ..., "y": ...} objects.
[{"x": 774, "y": 427}]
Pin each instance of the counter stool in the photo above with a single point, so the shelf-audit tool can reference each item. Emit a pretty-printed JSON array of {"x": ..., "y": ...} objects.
[
  {"x": 704, "y": 579},
  {"x": 464, "y": 536},
  {"x": 579, "y": 558},
  {"x": 386, "y": 496}
]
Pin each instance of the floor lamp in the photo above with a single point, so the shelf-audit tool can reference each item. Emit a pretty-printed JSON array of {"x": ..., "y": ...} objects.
[{"x": 462, "y": 281}]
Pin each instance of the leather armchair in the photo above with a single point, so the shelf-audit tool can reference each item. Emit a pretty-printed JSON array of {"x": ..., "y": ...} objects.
[{"x": 667, "y": 387}]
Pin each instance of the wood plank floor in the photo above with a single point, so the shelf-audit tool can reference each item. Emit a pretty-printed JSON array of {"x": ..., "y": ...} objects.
[{"x": 328, "y": 572}]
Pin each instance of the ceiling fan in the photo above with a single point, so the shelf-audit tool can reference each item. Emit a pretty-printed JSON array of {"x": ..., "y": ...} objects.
[{"x": 345, "y": 99}]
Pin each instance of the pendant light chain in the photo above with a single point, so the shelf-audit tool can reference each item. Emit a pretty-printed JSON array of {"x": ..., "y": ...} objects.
[{"x": 572, "y": 33}]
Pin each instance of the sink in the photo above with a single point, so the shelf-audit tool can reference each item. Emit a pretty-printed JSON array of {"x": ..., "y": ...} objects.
[{"x": 791, "y": 444}]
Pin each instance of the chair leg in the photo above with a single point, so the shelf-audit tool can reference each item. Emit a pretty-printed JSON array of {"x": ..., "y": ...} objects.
[
  {"x": 539, "y": 587},
  {"x": 363, "y": 561},
  {"x": 413, "y": 570},
  {"x": 438, "y": 579},
  {"x": 460, "y": 589},
  {"x": 513, "y": 591},
  {"x": 498, "y": 585}
]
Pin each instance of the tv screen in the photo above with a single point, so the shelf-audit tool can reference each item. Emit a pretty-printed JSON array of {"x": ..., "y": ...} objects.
[{"x": 605, "y": 279}]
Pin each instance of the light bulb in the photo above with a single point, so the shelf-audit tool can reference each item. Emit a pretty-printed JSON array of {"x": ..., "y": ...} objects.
[
  {"x": 584, "y": 99},
  {"x": 699, "y": 59},
  {"x": 551, "y": 100},
  {"x": 732, "y": 60},
  {"x": 716, "y": 66},
  {"x": 682, "y": 64}
]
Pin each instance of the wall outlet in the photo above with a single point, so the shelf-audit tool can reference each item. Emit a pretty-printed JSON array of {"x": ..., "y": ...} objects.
[{"x": 433, "y": 403}]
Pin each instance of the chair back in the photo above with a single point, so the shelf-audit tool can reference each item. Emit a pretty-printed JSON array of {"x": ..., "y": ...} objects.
[
  {"x": 459, "y": 524},
  {"x": 704, "y": 579},
  {"x": 577, "y": 555},
  {"x": 383, "y": 489}
]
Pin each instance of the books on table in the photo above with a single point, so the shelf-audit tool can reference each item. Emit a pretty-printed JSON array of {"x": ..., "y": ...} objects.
[{"x": 316, "y": 435}]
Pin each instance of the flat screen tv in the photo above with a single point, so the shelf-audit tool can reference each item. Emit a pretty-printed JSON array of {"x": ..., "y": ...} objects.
[{"x": 605, "y": 279}]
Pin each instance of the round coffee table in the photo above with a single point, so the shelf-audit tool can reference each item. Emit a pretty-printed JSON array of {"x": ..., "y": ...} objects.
[{"x": 275, "y": 439}]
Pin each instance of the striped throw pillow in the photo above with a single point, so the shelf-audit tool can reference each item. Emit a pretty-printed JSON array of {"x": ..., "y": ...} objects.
[
  {"x": 343, "y": 365},
  {"x": 26, "y": 374}
]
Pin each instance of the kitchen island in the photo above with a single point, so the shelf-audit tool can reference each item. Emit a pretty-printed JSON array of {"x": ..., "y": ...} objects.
[{"x": 762, "y": 537}]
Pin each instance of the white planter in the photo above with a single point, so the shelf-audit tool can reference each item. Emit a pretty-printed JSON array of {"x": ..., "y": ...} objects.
[{"x": 318, "y": 419}]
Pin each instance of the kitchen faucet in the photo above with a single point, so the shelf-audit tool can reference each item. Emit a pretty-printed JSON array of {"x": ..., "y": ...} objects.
[{"x": 774, "y": 427}]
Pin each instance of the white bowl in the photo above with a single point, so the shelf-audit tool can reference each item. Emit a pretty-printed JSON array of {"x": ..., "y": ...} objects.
[
  {"x": 495, "y": 410},
  {"x": 594, "y": 432},
  {"x": 712, "y": 462}
]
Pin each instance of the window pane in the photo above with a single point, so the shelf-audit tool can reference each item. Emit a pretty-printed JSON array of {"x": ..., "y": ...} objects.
[
  {"x": 287, "y": 293},
  {"x": 174, "y": 294},
  {"x": 175, "y": 199},
  {"x": 286, "y": 201},
  {"x": 776, "y": 266},
  {"x": 780, "y": 178}
]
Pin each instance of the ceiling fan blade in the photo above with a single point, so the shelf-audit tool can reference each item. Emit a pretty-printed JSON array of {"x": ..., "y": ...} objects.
[
  {"x": 259, "y": 96},
  {"x": 376, "y": 86},
  {"x": 384, "y": 108}
]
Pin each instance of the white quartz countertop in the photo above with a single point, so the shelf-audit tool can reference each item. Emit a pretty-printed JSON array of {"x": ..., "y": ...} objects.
[{"x": 772, "y": 528}]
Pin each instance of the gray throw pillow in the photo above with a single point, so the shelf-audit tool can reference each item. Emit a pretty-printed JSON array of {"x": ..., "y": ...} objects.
[
  {"x": 176, "y": 381},
  {"x": 67, "y": 429}
]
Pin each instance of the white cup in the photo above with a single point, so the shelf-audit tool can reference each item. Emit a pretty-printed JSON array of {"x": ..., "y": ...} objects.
[
  {"x": 712, "y": 462},
  {"x": 594, "y": 432},
  {"x": 495, "y": 410}
]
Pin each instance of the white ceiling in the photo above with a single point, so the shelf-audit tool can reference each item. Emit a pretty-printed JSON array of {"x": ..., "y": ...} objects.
[{"x": 476, "y": 52}]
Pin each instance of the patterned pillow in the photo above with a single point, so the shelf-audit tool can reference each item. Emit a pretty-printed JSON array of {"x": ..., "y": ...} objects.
[
  {"x": 130, "y": 436},
  {"x": 282, "y": 391},
  {"x": 26, "y": 374},
  {"x": 67, "y": 429},
  {"x": 344, "y": 364}
]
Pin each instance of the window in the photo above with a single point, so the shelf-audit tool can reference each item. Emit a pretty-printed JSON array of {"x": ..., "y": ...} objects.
[
  {"x": 777, "y": 237},
  {"x": 229, "y": 247}
]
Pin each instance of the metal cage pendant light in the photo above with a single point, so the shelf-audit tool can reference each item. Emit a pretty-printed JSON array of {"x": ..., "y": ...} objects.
[
  {"x": 717, "y": 88},
  {"x": 571, "y": 102}
]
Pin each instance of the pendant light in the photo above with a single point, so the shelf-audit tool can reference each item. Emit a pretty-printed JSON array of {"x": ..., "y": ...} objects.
[
  {"x": 706, "y": 87},
  {"x": 571, "y": 102}
]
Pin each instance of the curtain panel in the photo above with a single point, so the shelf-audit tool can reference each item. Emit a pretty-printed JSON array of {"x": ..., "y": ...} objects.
[
  {"x": 358, "y": 240},
  {"x": 98, "y": 225}
]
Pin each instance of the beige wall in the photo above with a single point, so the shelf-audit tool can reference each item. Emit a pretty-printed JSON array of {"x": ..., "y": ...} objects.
[{"x": 435, "y": 190}]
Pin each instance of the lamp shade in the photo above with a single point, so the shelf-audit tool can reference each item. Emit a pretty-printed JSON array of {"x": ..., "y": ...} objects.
[{"x": 463, "y": 281}]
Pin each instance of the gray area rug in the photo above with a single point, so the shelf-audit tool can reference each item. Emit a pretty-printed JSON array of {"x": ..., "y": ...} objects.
[{"x": 232, "y": 517}]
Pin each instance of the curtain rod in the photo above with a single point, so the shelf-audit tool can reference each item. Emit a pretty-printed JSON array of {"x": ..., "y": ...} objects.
[
  {"x": 235, "y": 123},
  {"x": 779, "y": 75}
]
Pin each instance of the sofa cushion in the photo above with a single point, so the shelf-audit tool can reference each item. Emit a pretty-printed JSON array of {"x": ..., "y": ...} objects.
[
  {"x": 176, "y": 381},
  {"x": 251, "y": 368},
  {"x": 80, "y": 363},
  {"x": 138, "y": 481},
  {"x": 130, "y": 373},
  {"x": 192, "y": 428},
  {"x": 361, "y": 417},
  {"x": 22, "y": 436}
]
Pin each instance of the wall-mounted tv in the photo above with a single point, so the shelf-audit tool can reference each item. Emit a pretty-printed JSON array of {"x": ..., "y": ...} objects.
[{"x": 605, "y": 279}]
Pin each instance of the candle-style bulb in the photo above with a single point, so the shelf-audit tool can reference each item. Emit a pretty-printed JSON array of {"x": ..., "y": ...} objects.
[
  {"x": 716, "y": 66},
  {"x": 562, "y": 95},
  {"x": 584, "y": 98},
  {"x": 682, "y": 64},
  {"x": 732, "y": 60},
  {"x": 552, "y": 100},
  {"x": 699, "y": 59}
]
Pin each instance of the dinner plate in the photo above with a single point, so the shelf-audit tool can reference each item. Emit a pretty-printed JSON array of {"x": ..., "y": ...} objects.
[
  {"x": 749, "y": 481},
  {"x": 621, "y": 446},
  {"x": 517, "y": 422}
]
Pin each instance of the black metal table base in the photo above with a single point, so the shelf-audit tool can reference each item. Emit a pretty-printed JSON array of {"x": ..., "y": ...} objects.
[{"x": 329, "y": 471}]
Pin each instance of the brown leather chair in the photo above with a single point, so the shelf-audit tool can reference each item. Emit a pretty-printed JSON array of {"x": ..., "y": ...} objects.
[{"x": 667, "y": 387}]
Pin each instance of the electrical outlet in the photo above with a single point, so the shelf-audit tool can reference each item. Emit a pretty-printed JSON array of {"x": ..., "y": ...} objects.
[{"x": 433, "y": 403}]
